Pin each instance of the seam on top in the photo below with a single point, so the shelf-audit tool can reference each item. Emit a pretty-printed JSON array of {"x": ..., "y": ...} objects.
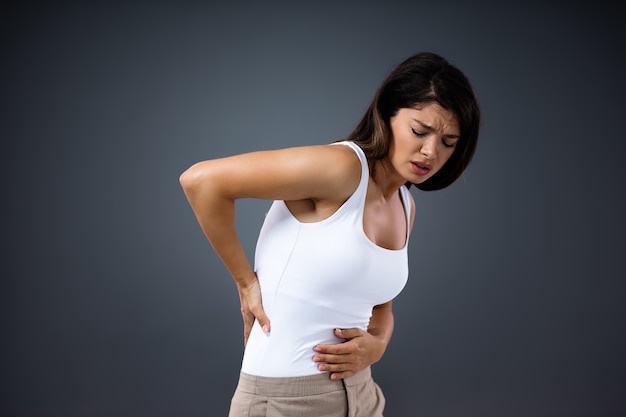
[{"x": 287, "y": 263}]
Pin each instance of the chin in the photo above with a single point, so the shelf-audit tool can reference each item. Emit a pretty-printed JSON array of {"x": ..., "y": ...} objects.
[{"x": 421, "y": 179}]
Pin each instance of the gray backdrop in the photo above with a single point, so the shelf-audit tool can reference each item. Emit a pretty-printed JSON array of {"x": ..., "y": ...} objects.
[{"x": 113, "y": 303}]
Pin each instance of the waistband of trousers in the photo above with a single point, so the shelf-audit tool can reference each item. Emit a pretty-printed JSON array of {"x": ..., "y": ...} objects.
[{"x": 299, "y": 386}]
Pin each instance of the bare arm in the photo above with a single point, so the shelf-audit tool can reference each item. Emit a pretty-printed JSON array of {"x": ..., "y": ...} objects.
[
  {"x": 216, "y": 216},
  {"x": 323, "y": 175}
]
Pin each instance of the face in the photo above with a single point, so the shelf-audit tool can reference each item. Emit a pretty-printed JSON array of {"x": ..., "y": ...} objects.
[{"x": 423, "y": 139}]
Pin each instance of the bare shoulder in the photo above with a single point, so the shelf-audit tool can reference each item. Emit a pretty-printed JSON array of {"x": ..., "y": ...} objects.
[
  {"x": 316, "y": 172},
  {"x": 333, "y": 173},
  {"x": 341, "y": 159},
  {"x": 339, "y": 170}
]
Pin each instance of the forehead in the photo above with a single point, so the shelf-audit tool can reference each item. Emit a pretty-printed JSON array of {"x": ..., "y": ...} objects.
[{"x": 434, "y": 116}]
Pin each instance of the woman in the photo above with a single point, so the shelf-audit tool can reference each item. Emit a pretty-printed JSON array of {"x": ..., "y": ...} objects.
[{"x": 332, "y": 252}]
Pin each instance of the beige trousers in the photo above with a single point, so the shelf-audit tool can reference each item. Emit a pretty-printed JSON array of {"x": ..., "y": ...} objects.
[{"x": 307, "y": 396}]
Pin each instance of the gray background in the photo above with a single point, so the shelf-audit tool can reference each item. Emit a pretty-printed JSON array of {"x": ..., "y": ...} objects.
[{"x": 113, "y": 303}]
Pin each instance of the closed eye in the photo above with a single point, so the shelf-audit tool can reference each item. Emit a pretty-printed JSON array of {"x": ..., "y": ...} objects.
[
  {"x": 419, "y": 134},
  {"x": 448, "y": 145},
  {"x": 443, "y": 141}
]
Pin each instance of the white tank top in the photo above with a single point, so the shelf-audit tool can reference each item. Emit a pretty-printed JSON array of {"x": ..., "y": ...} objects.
[{"x": 319, "y": 276}]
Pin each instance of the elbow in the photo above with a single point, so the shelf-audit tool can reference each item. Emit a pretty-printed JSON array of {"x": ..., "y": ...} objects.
[
  {"x": 200, "y": 179},
  {"x": 190, "y": 178},
  {"x": 185, "y": 179}
]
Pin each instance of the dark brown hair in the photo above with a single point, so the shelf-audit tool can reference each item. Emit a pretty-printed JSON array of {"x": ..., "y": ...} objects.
[{"x": 421, "y": 79}]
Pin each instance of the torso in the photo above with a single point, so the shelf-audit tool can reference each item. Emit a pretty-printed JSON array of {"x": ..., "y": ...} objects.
[{"x": 319, "y": 271}]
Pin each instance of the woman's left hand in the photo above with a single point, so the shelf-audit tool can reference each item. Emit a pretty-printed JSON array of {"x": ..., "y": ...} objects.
[{"x": 360, "y": 350}]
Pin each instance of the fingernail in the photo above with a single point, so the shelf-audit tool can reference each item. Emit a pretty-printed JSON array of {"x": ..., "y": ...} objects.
[
  {"x": 316, "y": 358},
  {"x": 338, "y": 331},
  {"x": 266, "y": 328},
  {"x": 317, "y": 349}
]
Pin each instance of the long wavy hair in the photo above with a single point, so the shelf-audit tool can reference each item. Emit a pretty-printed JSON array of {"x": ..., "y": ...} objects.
[{"x": 421, "y": 79}]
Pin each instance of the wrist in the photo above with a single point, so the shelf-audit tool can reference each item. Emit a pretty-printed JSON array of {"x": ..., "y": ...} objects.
[
  {"x": 245, "y": 280},
  {"x": 379, "y": 344}
]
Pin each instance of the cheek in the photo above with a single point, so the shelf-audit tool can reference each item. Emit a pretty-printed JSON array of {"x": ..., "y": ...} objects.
[{"x": 446, "y": 154}]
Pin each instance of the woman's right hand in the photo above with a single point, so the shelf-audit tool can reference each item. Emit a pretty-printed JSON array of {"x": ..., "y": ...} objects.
[{"x": 252, "y": 308}]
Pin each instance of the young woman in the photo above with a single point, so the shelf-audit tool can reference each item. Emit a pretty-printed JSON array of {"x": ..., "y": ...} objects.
[{"x": 332, "y": 252}]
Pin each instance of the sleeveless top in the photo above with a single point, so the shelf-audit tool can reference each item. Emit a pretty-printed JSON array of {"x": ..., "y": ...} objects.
[{"x": 316, "y": 277}]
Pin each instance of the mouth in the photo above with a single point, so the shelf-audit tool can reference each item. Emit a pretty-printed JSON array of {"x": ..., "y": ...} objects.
[{"x": 421, "y": 168}]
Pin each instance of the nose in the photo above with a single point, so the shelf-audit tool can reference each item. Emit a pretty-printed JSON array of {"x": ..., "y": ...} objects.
[{"x": 429, "y": 147}]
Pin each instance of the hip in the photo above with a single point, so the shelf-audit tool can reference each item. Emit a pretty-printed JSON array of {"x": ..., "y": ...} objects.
[{"x": 312, "y": 395}]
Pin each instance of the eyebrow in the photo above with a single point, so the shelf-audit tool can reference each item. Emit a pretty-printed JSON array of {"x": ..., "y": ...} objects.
[{"x": 425, "y": 126}]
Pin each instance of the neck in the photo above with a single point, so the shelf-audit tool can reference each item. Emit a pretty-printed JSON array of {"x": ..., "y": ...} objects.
[{"x": 387, "y": 180}]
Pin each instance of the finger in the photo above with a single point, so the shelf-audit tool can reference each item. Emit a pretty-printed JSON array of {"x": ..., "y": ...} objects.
[
  {"x": 247, "y": 328},
  {"x": 336, "y": 367},
  {"x": 337, "y": 349},
  {"x": 263, "y": 320},
  {"x": 350, "y": 333},
  {"x": 346, "y": 348},
  {"x": 340, "y": 375},
  {"x": 333, "y": 359},
  {"x": 341, "y": 370}
]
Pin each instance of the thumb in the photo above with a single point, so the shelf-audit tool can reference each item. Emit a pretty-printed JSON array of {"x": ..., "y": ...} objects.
[
  {"x": 263, "y": 320},
  {"x": 350, "y": 333}
]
